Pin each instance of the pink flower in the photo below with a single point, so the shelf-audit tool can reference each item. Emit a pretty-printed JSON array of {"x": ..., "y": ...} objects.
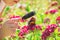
[
  {"x": 46, "y": 12},
  {"x": 53, "y": 11},
  {"x": 23, "y": 31},
  {"x": 24, "y": 27},
  {"x": 48, "y": 31},
  {"x": 52, "y": 25},
  {"x": 17, "y": 18},
  {"x": 58, "y": 18},
  {"x": 31, "y": 27},
  {"x": 21, "y": 34},
  {"x": 54, "y": 3},
  {"x": 58, "y": 21},
  {"x": 38, "y": 27},
  {"x": 14, "y": 17}
]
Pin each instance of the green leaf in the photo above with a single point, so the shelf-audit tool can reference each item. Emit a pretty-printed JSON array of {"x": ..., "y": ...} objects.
[{"x": 28, "y": 8}]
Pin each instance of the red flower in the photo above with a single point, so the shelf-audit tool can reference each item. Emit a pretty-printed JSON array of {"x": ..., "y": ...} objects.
[
  {"x": 58, "y": 18},
  {"x": 52, "y": 11},
  {"x": 46, "y": 12}
]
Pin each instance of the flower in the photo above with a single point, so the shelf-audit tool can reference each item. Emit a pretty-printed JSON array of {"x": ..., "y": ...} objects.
[
  {"x": 23, "y": 31},
  {"x": 17, "y": 18},
  {"x": 48, "y": 31},
  {"x": 58, "y": 18},
  {"x": 21, "y": 34},
  {"x": 54, "y": 3},
  {"x": 46, "y": 12},
  {"x": 53, "y": 11},
  {"x": 30, "y": 27},
  {"x": 38, "y": 27}
]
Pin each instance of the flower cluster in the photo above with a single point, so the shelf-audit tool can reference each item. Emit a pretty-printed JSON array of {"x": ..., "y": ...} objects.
[
  {"x": 48, "y": 31},
  {"x": 17, "y": 18},
  {"x": 30, "y": 27},
  {"x": 23, "y": 31},
  {"x": 51, "y": 11}
]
